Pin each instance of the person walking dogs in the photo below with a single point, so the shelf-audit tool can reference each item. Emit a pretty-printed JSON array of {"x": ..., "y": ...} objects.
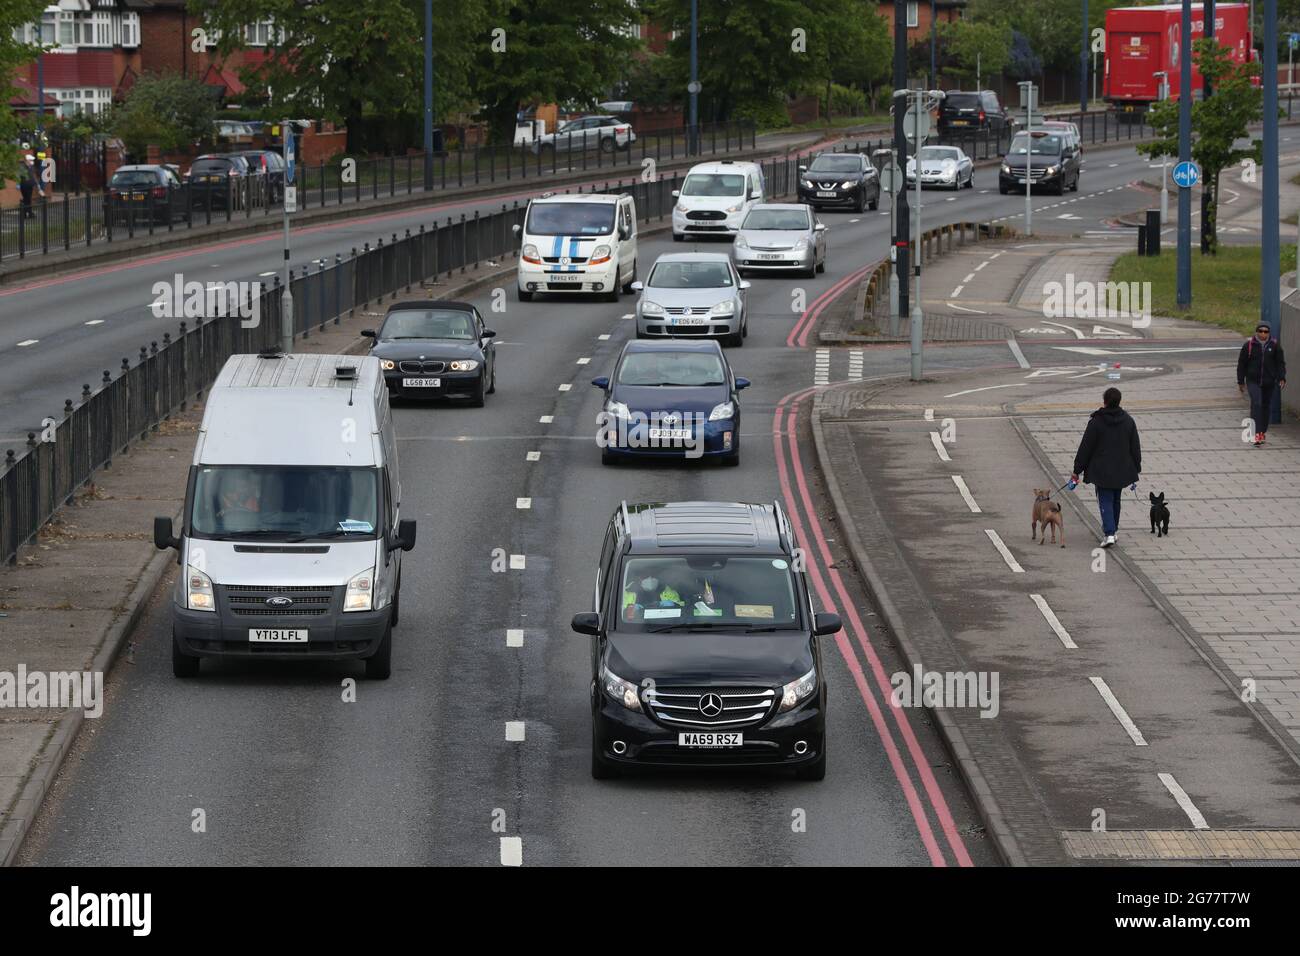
[
  {"x": 1261, "y": 367},
  {"x": 1109, "y": 457}
]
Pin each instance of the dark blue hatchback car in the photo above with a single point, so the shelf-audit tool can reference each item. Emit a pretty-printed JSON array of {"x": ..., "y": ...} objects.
[{"x": 670, "y": 399}]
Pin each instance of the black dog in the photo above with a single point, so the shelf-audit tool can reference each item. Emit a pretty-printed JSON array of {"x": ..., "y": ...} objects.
[{"x": 1159, "y": 515}]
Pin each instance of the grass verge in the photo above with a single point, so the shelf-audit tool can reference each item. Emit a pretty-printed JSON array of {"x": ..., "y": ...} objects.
[{"x": 1225, "y": 288}]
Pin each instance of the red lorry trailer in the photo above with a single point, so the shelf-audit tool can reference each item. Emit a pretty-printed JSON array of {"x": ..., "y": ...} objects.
[{"x": 1141, "y": 41}]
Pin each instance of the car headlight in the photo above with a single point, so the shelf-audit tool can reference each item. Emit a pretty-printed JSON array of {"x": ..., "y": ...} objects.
[
  {"x": 847, "y": 184},
  {"x": 797, "y": 691},
  {"x": 724, "y": 308},
  {"x": 619, "y": 690},
  {"x": 1052, "y": 170},
  {"x": 806, "y": 184},
  {"x": 741, "y": 240},
  {"x": 599, "y": 255},
  {"x": 618, "y": 410},
  {"x": 463, "y": 365},
  {"x": 735, "y": 208},
  {"x": 680, "y": 208},
  {"x": 1006, "y": 168},
  {"x": 387, "y": 364},
  {"x": 651, "y": 308},
  {"x": 359, "y": 596},
  {"x": 800, "y": 246},
  {"x": 199, "y": 593},
  {"x": 723, "y": 412},
  {"x": 529, "y": 254}
]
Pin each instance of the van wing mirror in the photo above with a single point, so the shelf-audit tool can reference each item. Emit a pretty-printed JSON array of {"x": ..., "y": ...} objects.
[
  {"x": 741, "y": 383},
  {"x": 163, "y": 535},
  {"x": 515, "y": 229},
  {"x": 588, "y": 622},
  {"x": 826, "y": 623},
  {"x": 405, "y": 537},
  {"x": 369, "y": 334},
  {"x": 602, "y": 382}
]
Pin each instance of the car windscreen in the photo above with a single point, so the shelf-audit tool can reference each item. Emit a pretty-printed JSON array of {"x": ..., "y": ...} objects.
[
  {"x": 570, "y": 219},
  {"x": 133, "y": 177},
  {"x": 714, "y": 184},
  {"x": 1042, "y": 145},
  {"x": 938, "y": 153},
  {"x": 281, "y": 502},
  {"x": 962, "y": 101},
  {"x": 776, "y": 219},
  {"x": 690, "y": 275},
  {"x": 660, "y": 594},
  {"x": 671, "y": 368},
  {"x": 842, "y": 163},
  {"x": 428, "y": 324}
]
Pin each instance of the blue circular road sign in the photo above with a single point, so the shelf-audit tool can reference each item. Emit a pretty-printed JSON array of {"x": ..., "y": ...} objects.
[{"x": 1187, "y": 174}]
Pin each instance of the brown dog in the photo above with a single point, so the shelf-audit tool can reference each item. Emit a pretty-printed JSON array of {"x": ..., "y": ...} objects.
[{"x": 1046, "y": 512}]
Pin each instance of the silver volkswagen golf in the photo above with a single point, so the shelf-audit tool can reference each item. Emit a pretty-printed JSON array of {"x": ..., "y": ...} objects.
[
  {"x": 692, "y": 294},
  {"x": 779, "y": 236}
]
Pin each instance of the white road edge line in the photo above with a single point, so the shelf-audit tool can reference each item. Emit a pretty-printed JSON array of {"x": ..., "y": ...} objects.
[
  {"x": 985, "y": 388},
  {"x": 1015, "y": 351},
  {"x": 965, "y": 494},
  {"x": 1054, "y": 622},
  {"x": 1184, "y": 801},
  {"x": 1012, "y": 563},
  {"x": 1120, "y": 713},
  {"x": 938, "y": 446},
  {"x": 964, "y": 309}
]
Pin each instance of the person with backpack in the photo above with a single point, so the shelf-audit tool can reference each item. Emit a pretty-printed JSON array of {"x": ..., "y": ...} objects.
[{"x": 1261, "y": 368}]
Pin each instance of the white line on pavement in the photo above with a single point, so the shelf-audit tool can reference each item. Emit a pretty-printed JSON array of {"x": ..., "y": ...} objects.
[
  {"x": 1120, "y": 713},
  {"x": 1012, "y": 563},
  {"x": 546, "y": 419},
  {"x": 514, "y": 637},
  {"x": 965, "y": 494},
  {"x": 1184, "y": 801},
  {"x": 533, "y": 456},
  {"x": 1061, "y": 325},
  {"x": 583, "y": 361},
  {"x": 969, "y": 276},
  {"x": 981, "y": 265},
  {"x": 630, "y": 315},
  {"x": 565, "y": 387},
  {"x": 514, "y": 731},
  {"x": 523, "y": 504},
  {"x": 1019, "y": 355},
  {"x": 95, "y": 322},
  {"x": 1053, "y": 621},
  {"x": 938, "y": 446},
  {"x": 512, "y": 851},
  {"x": 26, "y": 342},
  {"x": 986, "y": 388},
  {"x": 957, "y": 291},
  {"x": 604, "y": 337},
  {"x": 518, "y": 562},
  {"x": 964, "y": 309}
]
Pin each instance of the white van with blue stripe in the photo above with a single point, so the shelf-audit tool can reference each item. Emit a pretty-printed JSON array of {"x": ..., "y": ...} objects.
[{"x": 583, "y": 242}]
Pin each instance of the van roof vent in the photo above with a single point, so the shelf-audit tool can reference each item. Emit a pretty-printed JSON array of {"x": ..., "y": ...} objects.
[
  {"x": 270, "y": 353},
  {"x": 348, "y": 372}
]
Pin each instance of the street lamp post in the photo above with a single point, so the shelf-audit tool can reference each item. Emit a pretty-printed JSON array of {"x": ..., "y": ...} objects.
[
  {"x": 901, "y": 231},
  {"x": 694, "y": 87},
  {"x": 1270, "y": 254},
  {"x": 922, "y": 102},
  {"x": 1083, "y": 63},
  {"x": 1028, "y": 92},
  {"x": 1185, "y": 155},
  {"x": 428, "y": 96},
  {"x": 1164, "y": 160}
]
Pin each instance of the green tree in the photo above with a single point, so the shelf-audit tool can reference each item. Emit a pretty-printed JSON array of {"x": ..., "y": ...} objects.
[
  {"x": 168, "y": 111},
  {"x": 547, "y": 52},
  {"x": 338, "y": 57},
  {"x": 14, "y": 14},
  {"x": 1217, "y": 125},
  {"x": 971, "y": 49},
  {"x": 1054, "y": 28},
  {"x": 859, "y": 50}
]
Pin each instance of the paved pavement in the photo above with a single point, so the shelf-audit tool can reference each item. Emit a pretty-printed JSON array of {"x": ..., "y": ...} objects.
[{"x": 1151, "y": 688}]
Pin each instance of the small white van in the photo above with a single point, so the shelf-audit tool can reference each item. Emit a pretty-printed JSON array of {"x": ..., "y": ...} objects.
[
  {"x": 584, "y": 242},
  {"x": 291, "y": 541},
  {"x": 715, "y": 197}
]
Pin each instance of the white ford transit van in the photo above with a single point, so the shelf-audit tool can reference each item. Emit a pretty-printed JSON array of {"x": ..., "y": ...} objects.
[
  {"x": 715, "y": 198},
  {"x": 291, "y": 541},
  {"x": 584, "y": 242}
]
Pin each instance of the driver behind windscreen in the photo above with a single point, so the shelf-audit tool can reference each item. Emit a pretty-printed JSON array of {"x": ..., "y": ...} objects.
[{"x": 648, "y": 592}]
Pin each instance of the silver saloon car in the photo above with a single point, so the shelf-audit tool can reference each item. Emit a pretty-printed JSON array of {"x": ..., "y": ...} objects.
[
  {"x": 780, "y": 236},
  {"x": 944, "y": 166},
  {"x": 691, "y": 295}
]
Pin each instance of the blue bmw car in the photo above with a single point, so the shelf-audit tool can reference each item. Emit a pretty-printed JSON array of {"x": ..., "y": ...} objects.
[{"x": 670, "y": 399}]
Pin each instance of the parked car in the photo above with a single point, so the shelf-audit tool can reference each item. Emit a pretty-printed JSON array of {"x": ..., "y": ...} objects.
[
  {"x": 776, "y": 236},
  {"x": 435, "y": 349},
  {"x": 692, "y": 293},
  {"x": 704, "y": 643},
  {"x": 147, "y": 193},
  {"x": 267, "y": 167},
  {"x": 969, "y": 111},
  {"x": 947, "y": 166},
  {"x": 606, "y": 133},
  {"x": 217, "y": 180},
  {"x": 840, "y": 179},
  {"x": 1051, "y": 161},
  {"x": 675, "y": 399}
]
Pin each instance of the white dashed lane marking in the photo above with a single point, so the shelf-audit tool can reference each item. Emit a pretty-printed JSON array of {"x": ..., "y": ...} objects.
[
  {"x": 546, "y": 419},
  {"x": 515, "y": 731},
  {"x": 1012, "y": 563},
  {"x": 1120, "y": 713},
  {"x": 512, "y": 851},
  {"x": 1053, "y": 621},
  {"x": 583, "y": 361},
  {"x": 937, "y": 442},
  {"x": 514, "y": 637},
  {"x": 26, "y": 342},
  {"x": 1184, "y": 801},
  {"x": 95, "y": 322},
  {"x": 533, "y": 456},
  {"x": 523, "y": 504},
  {"x": 565, "y": 387},
  {"x": 517, "y": 562},
  {"x": 966, "y": 496}
]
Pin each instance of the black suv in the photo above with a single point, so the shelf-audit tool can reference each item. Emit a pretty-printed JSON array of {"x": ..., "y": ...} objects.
[
  {"x": 1051, "y": 158},
  {"x": 704, "y": 648},
  {"x": 840, "y": 179},
  {"x": 966, "y": 111}
]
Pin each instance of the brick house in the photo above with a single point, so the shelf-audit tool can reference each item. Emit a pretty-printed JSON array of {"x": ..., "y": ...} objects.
[{"x": 918, "y": 15}]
